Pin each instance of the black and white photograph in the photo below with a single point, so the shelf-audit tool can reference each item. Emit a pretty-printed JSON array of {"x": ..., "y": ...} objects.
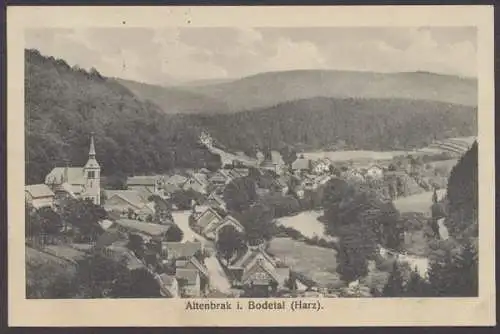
[{"x": 265, "y": 163}]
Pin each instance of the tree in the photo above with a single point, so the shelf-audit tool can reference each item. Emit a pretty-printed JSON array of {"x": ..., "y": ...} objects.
[
  {"x": 416, "y": 286},
  {"x": 229, "y": 242},
  {"x": 182, "y": 199},
  {"x": 83, "y": 215},
  {"x": 462, "y": 193},
  {"x": 240, "y": 194},
  {"x": 139, "y": 283},
  {"x": 98, "y": 276},
  {"x": 455, "y": 275},
  {"x": 395, "y": 283},
  {"x": 351, "y": 265},
  {"x": 258, "y": 223},
  {"x": 174, "y": 234},
  {"x": 136, "y": 244},
  {"x": 46, "y": 222}
]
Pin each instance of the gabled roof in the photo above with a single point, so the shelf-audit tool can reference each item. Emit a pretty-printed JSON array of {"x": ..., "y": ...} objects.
[
  {"x": 39, "y": 190},
  {"x": 301, "y": 164},
  {"x": 106, "y": 239},
  {"x": 141, "y": 227},
  {"x": 190, "y": 275},
  {"x": 250, "y": 255},
  {"x": 205, "y": 218},
  {"x": 181, "y": 249},
  {"x": 142, "y": 180},
  {"x": 227, "y": 219},
  {"x": 268, "y": 268},
  {"x": 130, "y": 196},
  {"x": 75, "y": 176},
  {"x": 193, "y": 260}
]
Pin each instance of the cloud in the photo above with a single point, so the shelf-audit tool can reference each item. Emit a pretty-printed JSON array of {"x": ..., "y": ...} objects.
[{"x": 172, "y": 55}]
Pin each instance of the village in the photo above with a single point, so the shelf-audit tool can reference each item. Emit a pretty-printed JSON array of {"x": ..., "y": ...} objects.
[{"x": 179, "y": 228}]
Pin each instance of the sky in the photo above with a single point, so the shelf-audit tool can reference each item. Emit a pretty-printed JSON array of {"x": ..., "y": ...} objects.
[{"x": 176, "y": 55}]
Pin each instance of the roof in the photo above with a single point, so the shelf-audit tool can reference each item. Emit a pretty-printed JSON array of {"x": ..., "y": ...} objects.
[
  {"x": 181, "y": 249},
  {"x": 301, "y": 164},
  {"x": 39, "y": 190},
  {"x": 143, "y": 180},
  {"x": 190, "y": 275},
  {"x": 107, "y": 238},
  {"x": 250, "y": 255},
  {"x": 193, "y": 260},
  {"x": 266, "y": 266},
  {"x": 167, "y": 280},
  {"x": 176, "y": 179},
  {"x": 146, "y": 228},
  {"x": 75, "y": 176},
  {"x": 131, "y": 196},
  {"x": 205, "y": 218},
  {"x": 276, "y": 158},
  {"x": 226, "y": 220}
]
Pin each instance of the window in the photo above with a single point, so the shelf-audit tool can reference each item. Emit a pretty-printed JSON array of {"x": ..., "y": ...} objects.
[{"x": 91, "y": 174}]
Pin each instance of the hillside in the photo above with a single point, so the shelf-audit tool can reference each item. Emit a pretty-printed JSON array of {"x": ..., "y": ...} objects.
[
  {"x": 63, "y": 105},
  {"x": 267, "y": 89},
  {"x": 361, "y": 124},
  {"x": 174, "y": 100}
]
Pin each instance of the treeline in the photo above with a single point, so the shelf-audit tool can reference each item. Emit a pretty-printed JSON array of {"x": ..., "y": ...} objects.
[
  {"x": 63, "y": 105},
  {"x": 333, "y": 123}
]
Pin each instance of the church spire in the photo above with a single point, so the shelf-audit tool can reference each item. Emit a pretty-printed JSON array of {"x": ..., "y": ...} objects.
[{"x": 92, "y": 147}]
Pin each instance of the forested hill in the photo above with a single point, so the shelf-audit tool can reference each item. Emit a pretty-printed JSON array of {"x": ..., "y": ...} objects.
[
  {"x": 173, "y": 100},
  {"x": 321, "y": 123},
  {"x": 64, "y": 105}
]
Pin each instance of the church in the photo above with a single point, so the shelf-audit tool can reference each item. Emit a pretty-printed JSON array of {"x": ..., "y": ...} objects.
[{"x": 79, "y": 182}]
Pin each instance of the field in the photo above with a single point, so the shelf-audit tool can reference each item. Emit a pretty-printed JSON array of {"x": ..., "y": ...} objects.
[
  {"x": 306, "y": 223},
  {"x": 353, "y": 155},
  {"x": 316, "y": 263},
  {"x": 418, "y": 203}
]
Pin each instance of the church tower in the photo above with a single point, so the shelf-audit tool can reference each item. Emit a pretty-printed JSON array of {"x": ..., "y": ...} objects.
[{"x": 92, "y": 175}]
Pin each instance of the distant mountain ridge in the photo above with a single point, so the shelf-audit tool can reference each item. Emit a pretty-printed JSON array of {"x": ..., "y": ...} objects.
[{"x": 271, "y": 88}]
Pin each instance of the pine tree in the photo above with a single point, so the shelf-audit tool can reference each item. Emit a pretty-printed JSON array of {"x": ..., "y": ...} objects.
[
  {"x": 416, "y": 286},
  {"x": 455, "y": 275}
]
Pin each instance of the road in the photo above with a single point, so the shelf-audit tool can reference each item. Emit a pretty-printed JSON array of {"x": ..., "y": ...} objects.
[
  {"x": 218, "y": 278},
  {"x": 181, "y": 219}
]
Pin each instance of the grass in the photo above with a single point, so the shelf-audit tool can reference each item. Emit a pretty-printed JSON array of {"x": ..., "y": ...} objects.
[
  {"x": 316, "y": 263},
  {"x": 353, "y": 155},
  {"x": 306, "y": 223},
  {"x": 417, "y": 203}
]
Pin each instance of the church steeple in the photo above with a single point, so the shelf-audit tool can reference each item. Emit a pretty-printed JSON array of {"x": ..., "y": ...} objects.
[
  {"x": 92, "y": 172},
  {"x": 92, "y": 147}
]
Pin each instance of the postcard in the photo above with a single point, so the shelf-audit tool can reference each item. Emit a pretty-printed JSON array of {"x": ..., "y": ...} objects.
[{"x": 251, "y": 166}]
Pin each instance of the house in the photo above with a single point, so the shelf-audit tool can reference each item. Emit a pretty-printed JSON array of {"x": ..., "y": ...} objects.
[
  {"x": 180, "y": 250},
  {"x": 375, "y": 172},
  {"x": 192, "y": 263},
  {"x": 153, "y": 183},
  {"x": 39, "y": 195},
  {"x": 216, "y": 201},
  {"x": 321, "y": 166},
  {"x": 240, "y": 172},
  {"x": 147, "y": 231},
  {"x": 212, "y": 231},
  {"x": 206, "y": 139},
  {"x": 197, "y": 182},
  {"x": 189, "y": 282},
  {"x": 119, "y": 252},
  {"x": 168, "y": 285},
  {"x": 259, "y": 271},
  {"x": 128, "y": 200},
  {"x": 219, "y": 178},
  {"x": 301, "y": 165},
  {"x": 83, "y": 182},
  {"x": 205, "y": 219}
]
